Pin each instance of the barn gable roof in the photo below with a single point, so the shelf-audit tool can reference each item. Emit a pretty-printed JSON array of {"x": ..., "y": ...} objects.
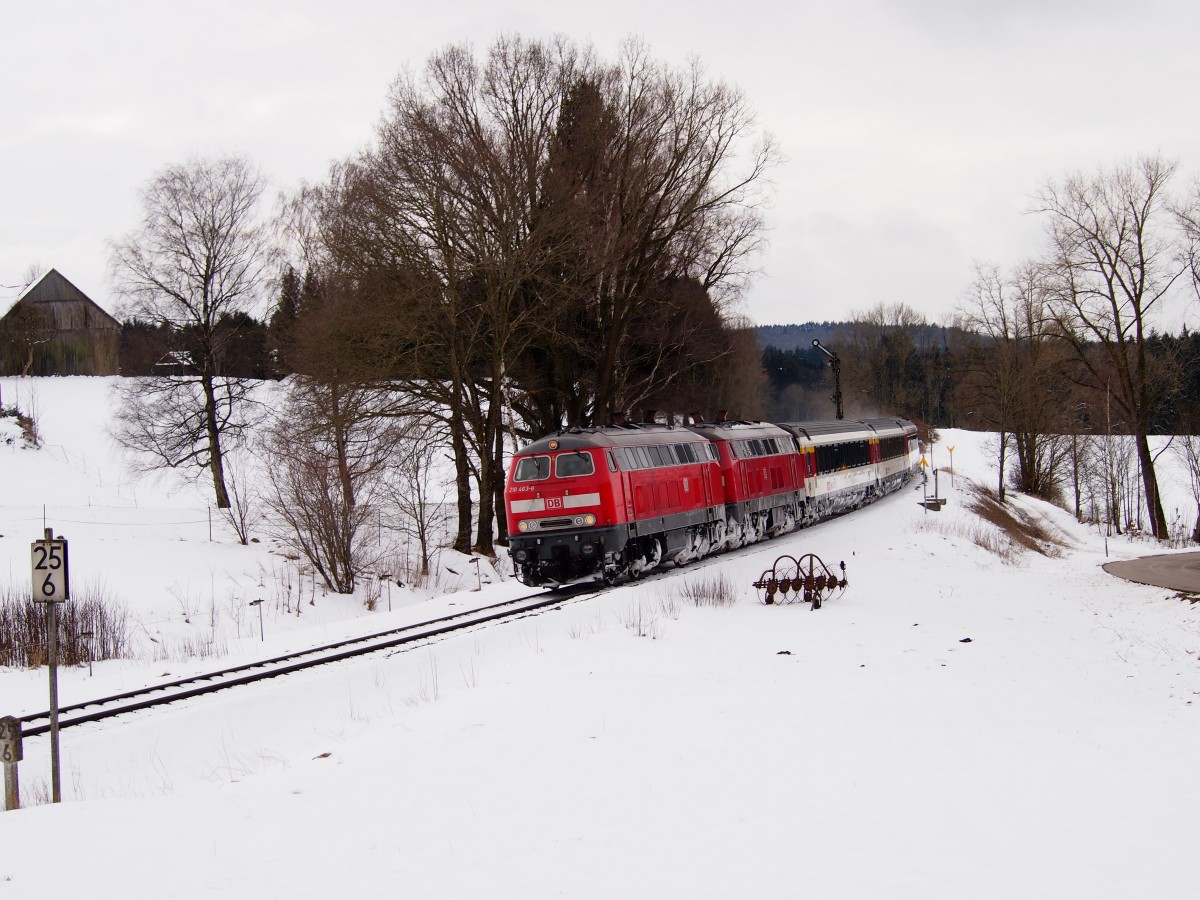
[{"x": 52, "y": 287}]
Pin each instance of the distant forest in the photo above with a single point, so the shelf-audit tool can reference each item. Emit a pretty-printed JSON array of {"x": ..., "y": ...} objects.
[{"x": 931, "y": 373}]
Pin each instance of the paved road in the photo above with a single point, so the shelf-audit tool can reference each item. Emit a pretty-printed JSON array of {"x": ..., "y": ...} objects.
[{"x": 1177, "y": 571}]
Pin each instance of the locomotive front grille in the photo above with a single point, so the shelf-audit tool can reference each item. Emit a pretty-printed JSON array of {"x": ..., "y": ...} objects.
[{"x": 585, "y": 521}]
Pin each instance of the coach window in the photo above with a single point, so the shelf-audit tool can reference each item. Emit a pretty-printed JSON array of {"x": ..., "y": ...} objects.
[
  {"x": 572, "y": 465},
  {"x": 532, "y": 468}
]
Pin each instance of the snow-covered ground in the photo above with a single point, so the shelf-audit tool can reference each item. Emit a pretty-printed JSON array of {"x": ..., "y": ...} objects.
[{"x": 632, "y": 745}]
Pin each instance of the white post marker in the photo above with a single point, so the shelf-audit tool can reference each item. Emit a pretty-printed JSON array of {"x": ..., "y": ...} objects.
[
  {"x": 52, "y": 586},
  {"x": 10, "y": 755},
  {"x": 51, "y": 581}
]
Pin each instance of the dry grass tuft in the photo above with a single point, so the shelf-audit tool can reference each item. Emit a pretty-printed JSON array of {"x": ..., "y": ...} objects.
[{"x": 715, "y": 590}]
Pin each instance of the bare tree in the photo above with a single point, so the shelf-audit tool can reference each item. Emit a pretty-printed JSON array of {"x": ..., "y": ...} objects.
[
  {"x": 1116, "y": 253},
  {"x": 200, "y": 256},
  {"x": 415, "y": 494},
  {"x": 1187, "y": 215},
  {"x": 1016, "y": 373},
  {"x": 167, "y": 422},
  {"x": 242, "y": 514},
  {"x": 327, "y": 462},
  {"x": 879, "y": 355},
  {"x": 534, "y": 213},
  {"x": 306, "y": 496},
  {"x": 661, "y": 174},
  {"x": 1187, "y": 450},
  {"x": 23, "y": 331}
]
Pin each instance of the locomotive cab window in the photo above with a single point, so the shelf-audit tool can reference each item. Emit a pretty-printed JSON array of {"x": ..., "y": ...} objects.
[
  {"x": 532, "y": 468},
  {"x": 573, "y": 465}
]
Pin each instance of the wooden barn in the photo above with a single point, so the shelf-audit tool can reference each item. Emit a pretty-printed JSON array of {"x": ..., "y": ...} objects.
[{"x": 53, "y": 328}]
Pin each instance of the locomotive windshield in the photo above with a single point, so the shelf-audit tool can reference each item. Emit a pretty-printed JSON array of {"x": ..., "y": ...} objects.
[
  {"x": 532, "y": 468},
  {"x": 572, "y": 465}
]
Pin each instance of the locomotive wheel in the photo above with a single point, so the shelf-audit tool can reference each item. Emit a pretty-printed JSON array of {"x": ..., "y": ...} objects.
[
  {"x": 656, "y": 553},
  {"x": 635, "y": 567}
]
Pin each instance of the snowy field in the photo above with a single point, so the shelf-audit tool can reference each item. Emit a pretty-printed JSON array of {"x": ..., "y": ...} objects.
[{"x": 633, "y": 745}]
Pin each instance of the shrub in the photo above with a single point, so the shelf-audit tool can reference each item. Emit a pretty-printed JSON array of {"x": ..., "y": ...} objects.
[{"x": 91, "y": 612}]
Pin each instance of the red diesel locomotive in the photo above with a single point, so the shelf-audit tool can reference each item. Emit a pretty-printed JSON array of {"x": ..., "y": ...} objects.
[{"x": 616, "y": 501}]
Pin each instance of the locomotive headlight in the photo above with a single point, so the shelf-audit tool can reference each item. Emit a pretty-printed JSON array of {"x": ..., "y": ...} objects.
[
  {"x": 523, "y": 525},
  {"x": 589, "y": 519}
]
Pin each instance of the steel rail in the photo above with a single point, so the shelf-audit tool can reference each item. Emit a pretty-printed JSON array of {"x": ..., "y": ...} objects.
[{"x": 263, "y": 669}]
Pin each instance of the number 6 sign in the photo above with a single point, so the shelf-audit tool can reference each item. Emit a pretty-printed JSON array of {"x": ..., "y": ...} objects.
[{"x": 50, "y": 581}]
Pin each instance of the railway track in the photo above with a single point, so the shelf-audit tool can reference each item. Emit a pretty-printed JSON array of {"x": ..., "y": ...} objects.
[{"x": 34, "y": 724}]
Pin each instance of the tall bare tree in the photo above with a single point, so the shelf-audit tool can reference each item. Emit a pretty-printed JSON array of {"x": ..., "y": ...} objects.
[
  {"x": 1116, "y": 253},
  {"x": 200, "y": 256},
  {"x": 662, "y": 172},
  {"x": 539, "y": 200},
  {"x": 880, "y": 356},
  {"x": 1016, "y": 374}
]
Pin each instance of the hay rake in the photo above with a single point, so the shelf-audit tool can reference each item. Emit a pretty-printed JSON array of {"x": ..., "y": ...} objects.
[{"x": 808, "y": 579}]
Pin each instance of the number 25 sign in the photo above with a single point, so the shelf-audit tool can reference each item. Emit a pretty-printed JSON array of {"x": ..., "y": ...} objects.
[{"x": 50, "y": 581}]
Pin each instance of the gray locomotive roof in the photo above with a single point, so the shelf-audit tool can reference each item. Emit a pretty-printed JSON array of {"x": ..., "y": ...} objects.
[
  {"x": 739, "y": 430},
  {"x": 586, "y": 438},
  {"x": 632, "y": 435},
  {"x": 849, "y": 427}
]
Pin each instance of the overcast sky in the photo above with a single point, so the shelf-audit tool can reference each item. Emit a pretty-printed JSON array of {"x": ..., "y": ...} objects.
[{"x": 914, "y": 131}]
